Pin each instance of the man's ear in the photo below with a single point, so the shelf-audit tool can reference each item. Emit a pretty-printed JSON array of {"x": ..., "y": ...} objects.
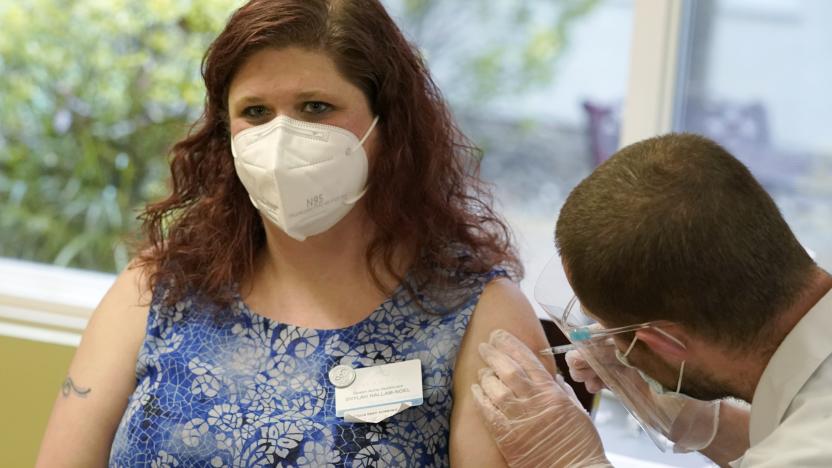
[{"x": 664, "y": 342}]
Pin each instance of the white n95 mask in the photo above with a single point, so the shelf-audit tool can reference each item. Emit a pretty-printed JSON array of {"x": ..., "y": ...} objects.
[{"x": 304, "y": 177}]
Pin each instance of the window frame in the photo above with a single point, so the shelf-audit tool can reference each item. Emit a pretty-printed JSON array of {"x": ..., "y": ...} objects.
[{"x": 48, "y": 303}]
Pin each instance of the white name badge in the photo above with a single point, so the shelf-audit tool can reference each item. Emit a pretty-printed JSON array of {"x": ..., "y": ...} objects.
[{"x": 379, "y": 392}]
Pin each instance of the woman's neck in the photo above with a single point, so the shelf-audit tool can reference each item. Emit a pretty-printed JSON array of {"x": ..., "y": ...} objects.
[
  {"x": 336, "y": 254},
  {"x": 321, "y": 282}
]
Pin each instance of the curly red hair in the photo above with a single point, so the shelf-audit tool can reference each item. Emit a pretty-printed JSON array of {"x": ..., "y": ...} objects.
[{"x": 425, "y": 192}]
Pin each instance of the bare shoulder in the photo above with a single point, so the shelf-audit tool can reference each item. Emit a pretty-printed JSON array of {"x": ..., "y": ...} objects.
[
  {"x": 100, "y": 378},
  {"x": 121, "y": 316},
  {"x": 130, "y": 292},
  {"x": 499, "y": 293},
  {"x": 502, "y": 305}
]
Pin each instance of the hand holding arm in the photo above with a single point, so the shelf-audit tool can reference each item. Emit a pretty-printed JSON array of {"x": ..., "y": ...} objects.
[{"x": 535, "y": 419}]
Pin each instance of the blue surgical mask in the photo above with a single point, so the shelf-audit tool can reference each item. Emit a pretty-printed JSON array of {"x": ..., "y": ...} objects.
[{"x": 654, "y": 384}]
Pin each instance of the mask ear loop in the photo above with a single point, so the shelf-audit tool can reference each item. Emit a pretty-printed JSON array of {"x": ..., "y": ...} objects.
[
  {"x": 352, "y": 200},
  {"x": 681, "y": 373},
  {"x": 630, "y": 348},
  {"x": 682, "y": 367},
  {"x": 623, "y": 357},
  {"x": 366, "y": 135}
]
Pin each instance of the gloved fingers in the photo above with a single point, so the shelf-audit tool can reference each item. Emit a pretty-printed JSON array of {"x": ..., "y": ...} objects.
[
  {"x": 507, "y": 369},
  {"x": 521, "y": 354},
  {"x": 494, "y": 388},
  {"x": 497, "y": 422},
  {"x": 575, "y": 361},
  {"x": 594, "y": 385},
  {"x": 582, "y": 375},
  {"x": 500, "y": 395},
  {"x": 570, "y": 392},
  {"x": 557, "y": 433},
  {"x": 602, "y": 353},
  {"x": 581, "y": 371}
]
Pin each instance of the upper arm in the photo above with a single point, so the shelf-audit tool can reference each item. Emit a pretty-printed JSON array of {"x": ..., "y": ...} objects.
[
  {"x": 81, "y": 428},
  {"x": 502, "y": 305}
]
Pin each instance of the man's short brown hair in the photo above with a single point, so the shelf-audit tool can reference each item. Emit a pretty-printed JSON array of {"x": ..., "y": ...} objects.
[{"x": 675, "y": 228}]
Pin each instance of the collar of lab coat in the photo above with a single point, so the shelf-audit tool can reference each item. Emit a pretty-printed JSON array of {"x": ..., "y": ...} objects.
[{"x": 803, "y": 350}]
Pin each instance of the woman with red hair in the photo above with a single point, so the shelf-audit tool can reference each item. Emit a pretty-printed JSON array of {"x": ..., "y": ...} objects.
[{"x": 325, "y": 219}]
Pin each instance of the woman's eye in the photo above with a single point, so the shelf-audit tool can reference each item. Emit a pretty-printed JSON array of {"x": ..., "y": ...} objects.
[
  {"x": 316, "y": 107},
  {"x": 255, "y": 112}
]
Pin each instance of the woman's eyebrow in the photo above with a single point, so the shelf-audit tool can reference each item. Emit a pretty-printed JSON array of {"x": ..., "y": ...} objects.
[
  {"x": 313, "y": 94},
  {"x": 310, "y": 94},
  {"x": 246, "y": 100}
]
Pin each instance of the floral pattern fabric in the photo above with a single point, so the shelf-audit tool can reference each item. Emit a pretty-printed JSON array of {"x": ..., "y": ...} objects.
[{"x": 238, "y": 389}]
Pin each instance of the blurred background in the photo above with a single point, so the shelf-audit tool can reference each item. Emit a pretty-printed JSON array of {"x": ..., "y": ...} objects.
[{"x": 93, "y": 94}]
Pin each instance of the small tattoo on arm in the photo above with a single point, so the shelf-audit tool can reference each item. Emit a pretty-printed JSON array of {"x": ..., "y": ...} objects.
[{"x": 69, "y": 387}]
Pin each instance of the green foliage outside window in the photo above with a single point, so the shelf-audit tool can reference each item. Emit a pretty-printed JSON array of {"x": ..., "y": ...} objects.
[
  {"x": 92, "y": 96},
  {"x": 94, "y": 93}
]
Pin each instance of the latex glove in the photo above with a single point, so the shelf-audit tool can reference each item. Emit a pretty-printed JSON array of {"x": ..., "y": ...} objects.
[
  {"x": 580, "y": 371},
  {"x": 535, "y": 419},
  {"x": 689, "y": 423}
]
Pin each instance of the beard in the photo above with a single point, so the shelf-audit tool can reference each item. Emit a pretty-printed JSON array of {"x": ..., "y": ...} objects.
[
  {"x": 703, "y": 386},
  {"x": 695, "y": 383}
]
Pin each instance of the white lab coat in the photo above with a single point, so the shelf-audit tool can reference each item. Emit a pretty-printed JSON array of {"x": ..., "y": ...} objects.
[{"x": 791, "y": 414}]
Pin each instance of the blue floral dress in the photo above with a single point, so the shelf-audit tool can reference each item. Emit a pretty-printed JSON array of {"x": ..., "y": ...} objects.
[{"x": 238, "y": 389}]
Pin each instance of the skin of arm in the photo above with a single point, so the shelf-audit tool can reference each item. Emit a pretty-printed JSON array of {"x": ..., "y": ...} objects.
[
  {"x": 731, "y": 440},
  {"x": 100, "y": 379},
  {"x": 502, "y": 305}
]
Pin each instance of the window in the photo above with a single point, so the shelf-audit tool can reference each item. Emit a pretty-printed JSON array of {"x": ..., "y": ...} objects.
[
  {"x": 93, "y": 94},
  {"x": 533, "y": 84},
  {"x": 755, "y": 77}
]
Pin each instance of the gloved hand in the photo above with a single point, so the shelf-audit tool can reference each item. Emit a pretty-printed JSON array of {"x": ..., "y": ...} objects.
[
  {"x": 689, "y": 423},
  {"x": 535, "y": 419},
  {"x": 581, "y": 372}
]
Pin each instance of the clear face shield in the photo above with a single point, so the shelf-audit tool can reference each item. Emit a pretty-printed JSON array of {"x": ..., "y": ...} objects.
[{"x": 656, "y": 413}]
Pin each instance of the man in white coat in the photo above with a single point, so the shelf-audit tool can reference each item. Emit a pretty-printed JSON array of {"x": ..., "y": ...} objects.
[{"x": 674, "y": 233}]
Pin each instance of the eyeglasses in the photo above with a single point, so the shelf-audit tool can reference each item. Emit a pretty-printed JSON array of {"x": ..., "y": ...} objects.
[{"x": 580, "y": 326}]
